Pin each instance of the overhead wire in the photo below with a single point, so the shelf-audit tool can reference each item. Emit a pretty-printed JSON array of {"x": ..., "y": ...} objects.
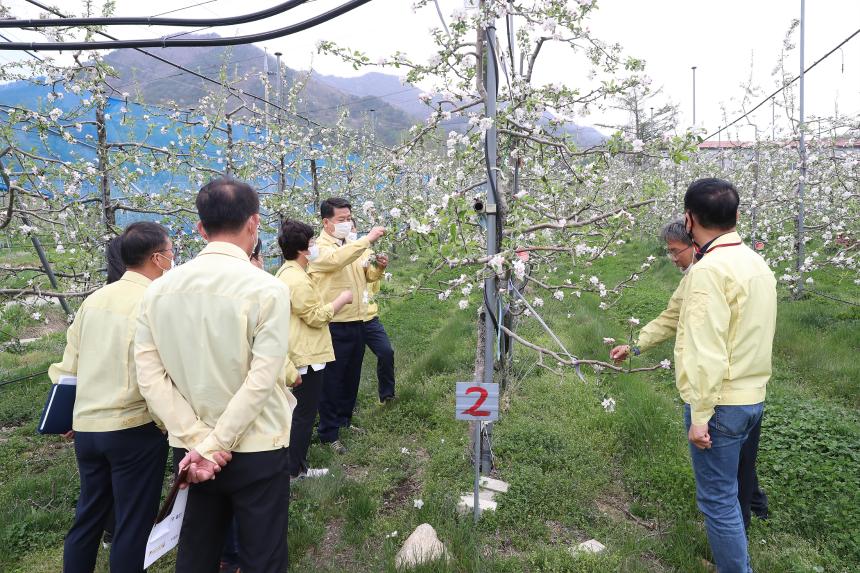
[
  {"x": 785, "y": 86},
  {"x": 192, "y": 42},
  {"x": 151, "y": 20},
  {"x": 187, "y": 70},
  {"x": 185, "y": 8}
]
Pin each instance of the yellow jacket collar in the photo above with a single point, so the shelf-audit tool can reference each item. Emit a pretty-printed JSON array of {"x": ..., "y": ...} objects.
[
  {"x": 225, "y": 248},
  {"x": 294, "y": 264},
  {"x": 327, "y": 239},
  {"x": 135, "y": 278},
  {"x": 726, "y": 239}
]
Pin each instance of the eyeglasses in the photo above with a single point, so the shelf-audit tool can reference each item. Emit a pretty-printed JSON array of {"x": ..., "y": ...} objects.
[
  {"x": 172, "y": 251},
  {"x": 673, "y": 254}
]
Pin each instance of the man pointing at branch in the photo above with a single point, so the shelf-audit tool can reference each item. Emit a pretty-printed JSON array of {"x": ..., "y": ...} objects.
[
  {"x": 338, "y": 268},
  {"x": 722, "y": 360}
]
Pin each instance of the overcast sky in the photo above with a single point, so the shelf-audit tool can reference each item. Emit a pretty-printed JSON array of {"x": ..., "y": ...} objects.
[{"x": 727, "y": 41}]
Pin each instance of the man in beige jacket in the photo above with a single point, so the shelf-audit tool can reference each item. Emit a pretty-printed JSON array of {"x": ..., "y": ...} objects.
[
  {"x": 211, "y": 345},
  {"x": 339, "y": 268}
]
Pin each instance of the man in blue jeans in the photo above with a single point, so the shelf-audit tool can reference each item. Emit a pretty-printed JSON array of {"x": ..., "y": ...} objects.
[{"x": 723, "y": 352}]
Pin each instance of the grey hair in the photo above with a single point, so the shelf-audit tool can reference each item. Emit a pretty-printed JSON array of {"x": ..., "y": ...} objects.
[{"x": 676, "y": 231}]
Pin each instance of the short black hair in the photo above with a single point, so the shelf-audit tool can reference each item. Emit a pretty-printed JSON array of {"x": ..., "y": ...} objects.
[
  {"x": 714, "y": 202},
  {"x": 139, "y": 240},
  {"x": 225, "y": 204},
  {"x": 294, "y": 236},
  {"x": 328, "y": 206},
  {"x": 115, "y": 266}
]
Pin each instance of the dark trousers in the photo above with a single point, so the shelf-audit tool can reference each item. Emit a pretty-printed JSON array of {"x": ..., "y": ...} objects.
[
  {"x": 341, "y": 380},
  {"x": 750, "y": 495},
  {"x": 377, "y": 340},
  {"x": 123, "y": 470},
  {"x": 253, "y": 487},
  {"x": 308, "y": 400}
]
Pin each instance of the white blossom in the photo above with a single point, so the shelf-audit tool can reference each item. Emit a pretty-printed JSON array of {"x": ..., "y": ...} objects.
[
  {"x": 519, "y": 269},
  {"x": 665, "y": 363},
  {"x": 418, "y": 503},
  {"x": 497, "y": 263},
  {"x": 463, "y": 304},
  {"x": 608, "y": 404}
]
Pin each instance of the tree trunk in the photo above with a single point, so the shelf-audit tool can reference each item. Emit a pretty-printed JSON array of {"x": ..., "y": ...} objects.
[
  {"x": 108, "y": 212},
  {"x": 315, "y": 184}
]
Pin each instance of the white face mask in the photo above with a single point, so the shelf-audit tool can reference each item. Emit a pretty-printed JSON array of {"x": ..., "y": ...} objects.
[
  {"x": 342, "y": 230},
  {"x": 352, "y": 237},
  {"x": 172, "y": 263},
  {"x": 313, "y": 253}
]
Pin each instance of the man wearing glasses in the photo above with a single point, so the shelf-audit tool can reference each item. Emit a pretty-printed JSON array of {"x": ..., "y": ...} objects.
[{"x": 682, "y": 254}]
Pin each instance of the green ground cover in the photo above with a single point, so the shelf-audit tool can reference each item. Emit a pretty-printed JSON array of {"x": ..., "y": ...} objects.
[{"x": 576, "y": 471}]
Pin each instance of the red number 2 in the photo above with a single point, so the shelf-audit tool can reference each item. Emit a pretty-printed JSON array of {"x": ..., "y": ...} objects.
[{"x": 482, "y": 397}]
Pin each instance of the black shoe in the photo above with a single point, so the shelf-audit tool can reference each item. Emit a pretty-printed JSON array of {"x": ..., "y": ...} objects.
[
  {"x": 759, "y": 505},
  {"x": 386, "y": 400},
  {"x": 338, "y": 447}
]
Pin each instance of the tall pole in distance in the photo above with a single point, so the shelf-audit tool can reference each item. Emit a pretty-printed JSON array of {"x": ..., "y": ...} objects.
[
  {"x": 802, "y": 149},
  {"x": 773, "y": 119},
  {"x": 266, "y": 84},
  {"x": 282, "y": 176},
  {"x": 694, "y": 96}
]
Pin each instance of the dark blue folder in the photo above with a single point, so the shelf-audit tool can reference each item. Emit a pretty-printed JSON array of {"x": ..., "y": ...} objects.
[{"x": 57, "y": 415}]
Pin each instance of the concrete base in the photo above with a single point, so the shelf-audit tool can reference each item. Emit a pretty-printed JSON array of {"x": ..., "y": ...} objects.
[
  {"x": 467, "y": 504},
  {"x": 495, "y": 485}
]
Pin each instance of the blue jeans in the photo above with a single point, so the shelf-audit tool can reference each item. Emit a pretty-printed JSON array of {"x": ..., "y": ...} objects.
[{"x": 716, "y": 471}]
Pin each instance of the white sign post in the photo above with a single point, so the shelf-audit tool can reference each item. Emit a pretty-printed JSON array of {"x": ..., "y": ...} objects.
[{"x": 477, "y": 402}]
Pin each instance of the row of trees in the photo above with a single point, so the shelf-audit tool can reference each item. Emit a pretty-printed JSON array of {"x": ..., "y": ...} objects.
[{"x": 87, "y": 158}]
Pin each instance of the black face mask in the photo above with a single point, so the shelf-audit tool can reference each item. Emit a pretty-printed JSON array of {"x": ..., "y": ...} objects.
[{"x": 699, "y": 253}]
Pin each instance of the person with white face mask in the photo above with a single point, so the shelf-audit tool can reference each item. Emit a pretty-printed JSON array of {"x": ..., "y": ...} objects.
[
  {"x": 310, "y": 342},
  {"x": 120, "y": 451},
  {"x": 339, "y": 267}
]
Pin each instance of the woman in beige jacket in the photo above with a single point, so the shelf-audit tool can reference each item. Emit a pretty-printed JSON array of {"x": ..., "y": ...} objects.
[{"x": 310, "y": 341}]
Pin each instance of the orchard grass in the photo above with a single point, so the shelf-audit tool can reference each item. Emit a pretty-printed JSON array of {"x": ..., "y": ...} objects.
[{"x": 576, "y": 472}]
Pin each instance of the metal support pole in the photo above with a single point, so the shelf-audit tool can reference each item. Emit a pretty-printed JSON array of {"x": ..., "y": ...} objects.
[
  {"x": 37, "y": 244},
  {"x": 773, "y": 119},
  {"x": 43, "y": 258},
  {"x": 694, "y": 96},
  {"x": 266, "y": 84},
  {"x": 280, "y": 82},
  {"x": 282, "y": 176},
  {"x": 490, "y": 289},
  {"x": 477, "y": 498},
  {"x": 802, "y": 148}
]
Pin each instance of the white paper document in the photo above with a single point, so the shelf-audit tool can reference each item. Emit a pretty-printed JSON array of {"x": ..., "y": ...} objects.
[{"x": 165, "y": 534}]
